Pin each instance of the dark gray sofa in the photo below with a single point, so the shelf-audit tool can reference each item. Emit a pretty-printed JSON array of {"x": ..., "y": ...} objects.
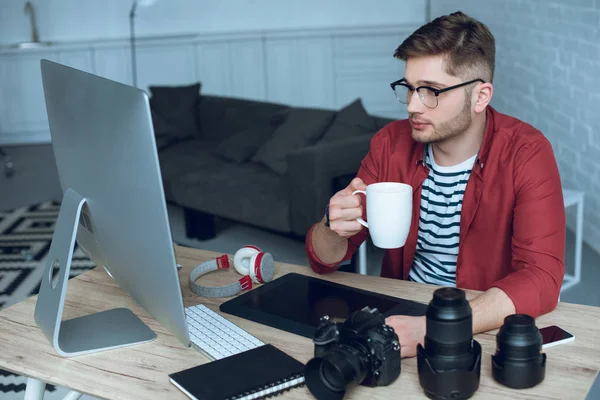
[{"x": 259, "y": 163}]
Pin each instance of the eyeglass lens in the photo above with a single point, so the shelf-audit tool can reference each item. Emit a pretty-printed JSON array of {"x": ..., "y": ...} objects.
[{"x": 404, "y": 95}]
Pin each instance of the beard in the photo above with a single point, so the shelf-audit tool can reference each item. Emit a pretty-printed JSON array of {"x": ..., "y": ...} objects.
[{"x": 448, "y": 129}]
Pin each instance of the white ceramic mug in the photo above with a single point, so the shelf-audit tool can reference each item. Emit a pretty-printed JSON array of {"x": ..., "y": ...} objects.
[{"x": 389, "y": 210}]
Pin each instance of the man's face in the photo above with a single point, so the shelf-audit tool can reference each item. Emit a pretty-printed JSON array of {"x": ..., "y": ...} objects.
[{"x": 453, "y": 114}]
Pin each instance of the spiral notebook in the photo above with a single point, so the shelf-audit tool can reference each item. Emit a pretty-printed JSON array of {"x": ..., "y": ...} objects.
[{"x": 254, "y": 374}]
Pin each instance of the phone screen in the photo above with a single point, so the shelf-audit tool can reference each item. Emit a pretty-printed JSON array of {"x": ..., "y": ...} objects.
[{"x": 553, "y": 333}]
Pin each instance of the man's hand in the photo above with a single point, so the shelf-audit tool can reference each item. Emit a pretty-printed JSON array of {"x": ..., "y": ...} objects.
[
  {"x": 330, "y": 244},
  {"x": 410, "y": 331},
  {"x": 345, "y": 208},
  {"x": 489, "y": 311}
]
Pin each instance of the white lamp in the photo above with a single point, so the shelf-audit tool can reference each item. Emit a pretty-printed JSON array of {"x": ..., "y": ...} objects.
[{"x": 134, "y": 6}]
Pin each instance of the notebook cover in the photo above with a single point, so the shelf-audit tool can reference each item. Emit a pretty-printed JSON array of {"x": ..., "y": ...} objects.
[{"x": 242, "y": 373}]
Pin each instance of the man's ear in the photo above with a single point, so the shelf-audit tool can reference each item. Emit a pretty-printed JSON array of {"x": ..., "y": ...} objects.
[{"x": 481, "y": 96}]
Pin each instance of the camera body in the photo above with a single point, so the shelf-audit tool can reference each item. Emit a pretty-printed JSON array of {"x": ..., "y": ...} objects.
[{"x": 362, "y": 350}]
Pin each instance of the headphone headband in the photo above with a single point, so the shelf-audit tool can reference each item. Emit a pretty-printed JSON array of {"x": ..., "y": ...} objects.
[
  {"x": 255, "y": 266},
  {"x": 222, "y": 262}
]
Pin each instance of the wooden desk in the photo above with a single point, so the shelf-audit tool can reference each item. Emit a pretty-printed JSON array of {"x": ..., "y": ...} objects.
[{"x": 140, "y": 372}]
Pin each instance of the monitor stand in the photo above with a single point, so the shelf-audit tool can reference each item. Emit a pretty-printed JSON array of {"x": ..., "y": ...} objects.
[{"x": 91, "y": 333}]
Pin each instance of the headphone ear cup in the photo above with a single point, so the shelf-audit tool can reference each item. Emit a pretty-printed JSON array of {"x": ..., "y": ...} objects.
[
  {"x": 267, "y": 268},
  {"x": 241, "y": 259},
  {"x": 262, "y": 268}
]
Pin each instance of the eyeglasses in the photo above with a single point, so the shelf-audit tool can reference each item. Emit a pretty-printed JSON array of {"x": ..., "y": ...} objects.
[{"x": 427, "y": 94}]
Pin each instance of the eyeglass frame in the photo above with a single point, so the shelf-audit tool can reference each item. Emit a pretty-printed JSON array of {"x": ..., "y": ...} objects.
[{"x": 436, "y": 92}]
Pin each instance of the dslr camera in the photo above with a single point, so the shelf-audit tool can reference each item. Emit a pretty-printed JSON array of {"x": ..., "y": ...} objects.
[{"x": 362, "y": 350}]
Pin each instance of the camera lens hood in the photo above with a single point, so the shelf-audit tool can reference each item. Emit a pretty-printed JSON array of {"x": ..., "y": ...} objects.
[
  {"x": 449, "y": 363},
  {"x": 320, "y": 388},
  {"x": 519, "y": 362}
]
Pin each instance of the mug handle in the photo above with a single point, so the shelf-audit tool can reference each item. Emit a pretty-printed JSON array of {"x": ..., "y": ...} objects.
[{"x": 360, "y": 220}]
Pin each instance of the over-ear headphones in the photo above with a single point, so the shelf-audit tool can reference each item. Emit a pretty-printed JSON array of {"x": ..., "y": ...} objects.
[{"x": 250, "y": 261}]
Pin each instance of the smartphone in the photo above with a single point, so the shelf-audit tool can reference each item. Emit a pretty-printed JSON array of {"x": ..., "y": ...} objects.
[{"x": 553, "y": 335}]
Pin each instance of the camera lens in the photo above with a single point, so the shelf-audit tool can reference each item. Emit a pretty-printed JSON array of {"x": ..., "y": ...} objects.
[
  {"x": 450, "y": 362},
  {"x": 449, "y": 324},
  {"x": 329, "y": 376},
  {"x": 518, "y": 362},
  {"x": 333, "y": 376}
]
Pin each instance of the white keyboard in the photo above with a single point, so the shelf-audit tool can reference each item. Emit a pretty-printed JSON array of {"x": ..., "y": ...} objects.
[{"x": 215, "y": 336}]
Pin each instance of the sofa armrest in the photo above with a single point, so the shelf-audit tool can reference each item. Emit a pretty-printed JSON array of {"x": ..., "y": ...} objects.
[{"x": 311, "y": 171}]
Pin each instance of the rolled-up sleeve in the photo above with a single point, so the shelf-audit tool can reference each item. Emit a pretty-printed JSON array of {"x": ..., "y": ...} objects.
[{"x": 539, "y": 230}]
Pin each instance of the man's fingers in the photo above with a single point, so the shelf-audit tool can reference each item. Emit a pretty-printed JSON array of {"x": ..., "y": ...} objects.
[
  {"x": 357, "y": 184},
  {"x": 346, "y": 228},
  {"x": 345, "y": 214},
  {"x": 406, "y": 351},
  {"x": 397, "y": 320},
  {"x": 344, "y": 201}
]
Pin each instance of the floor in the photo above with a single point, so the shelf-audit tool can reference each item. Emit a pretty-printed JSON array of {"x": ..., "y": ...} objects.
[{"x": 35, "y": 180}]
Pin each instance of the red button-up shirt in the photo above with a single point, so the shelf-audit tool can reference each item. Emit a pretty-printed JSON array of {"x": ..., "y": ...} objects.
[{"x": 512, "y": 225}]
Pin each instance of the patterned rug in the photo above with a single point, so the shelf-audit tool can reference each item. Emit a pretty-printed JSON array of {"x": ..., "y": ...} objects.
[{"x": 25, "y": 237}]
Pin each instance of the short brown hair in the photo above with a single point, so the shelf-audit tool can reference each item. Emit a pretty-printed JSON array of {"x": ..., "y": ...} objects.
[{"x": 467, "y": 43}]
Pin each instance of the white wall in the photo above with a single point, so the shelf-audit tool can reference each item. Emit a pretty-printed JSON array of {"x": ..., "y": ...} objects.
[
  {"x": 325, "y": 68},
  {"x": 70, "y": 20},
  {"x": 336, "y": 51}
]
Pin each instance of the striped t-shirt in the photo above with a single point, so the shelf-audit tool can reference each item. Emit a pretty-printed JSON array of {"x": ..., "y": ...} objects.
[{"x": 439, "y": 222}]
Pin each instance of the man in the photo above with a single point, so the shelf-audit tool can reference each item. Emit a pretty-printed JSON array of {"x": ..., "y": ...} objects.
[{"x": 488, "y": 212}]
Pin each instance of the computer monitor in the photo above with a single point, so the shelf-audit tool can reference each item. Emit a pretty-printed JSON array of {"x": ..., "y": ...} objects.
[{"x": 113, "y": 205}]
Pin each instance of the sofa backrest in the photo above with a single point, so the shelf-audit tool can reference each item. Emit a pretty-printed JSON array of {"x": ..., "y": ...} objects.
[
  {"x": 220, "y": 117},
  {"x": 380, "y": 122}
]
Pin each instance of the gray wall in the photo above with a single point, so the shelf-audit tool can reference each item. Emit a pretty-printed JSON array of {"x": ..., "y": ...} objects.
[{"x": 548, "y": 74}]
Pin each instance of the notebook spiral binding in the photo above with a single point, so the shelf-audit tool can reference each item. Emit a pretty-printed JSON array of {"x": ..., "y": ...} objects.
[{"x": 271, "y": 390}]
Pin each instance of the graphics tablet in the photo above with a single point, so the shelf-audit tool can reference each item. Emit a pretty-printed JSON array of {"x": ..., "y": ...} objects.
[{"x": 295, "y": 303}]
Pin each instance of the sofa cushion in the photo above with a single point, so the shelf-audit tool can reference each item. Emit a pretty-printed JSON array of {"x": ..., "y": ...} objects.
[
  {"x": 248, "y": 193},
  {"x": 302, "y": 127},
  {"x": 174, "y": 110},
  {"x": 164, "y": 141},
  {"x": 352, "y": 120},
  {"x": 242, "y": 145},
  {"x": 165, "y": 132},
  {"x": 221, "y": 117},
  {"x": 185, "y": 157}
]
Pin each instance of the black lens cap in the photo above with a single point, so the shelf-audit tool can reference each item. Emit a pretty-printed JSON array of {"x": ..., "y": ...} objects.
[
  {"x": 449, "y": 304},
  {"x": 519, "y": 362}
]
